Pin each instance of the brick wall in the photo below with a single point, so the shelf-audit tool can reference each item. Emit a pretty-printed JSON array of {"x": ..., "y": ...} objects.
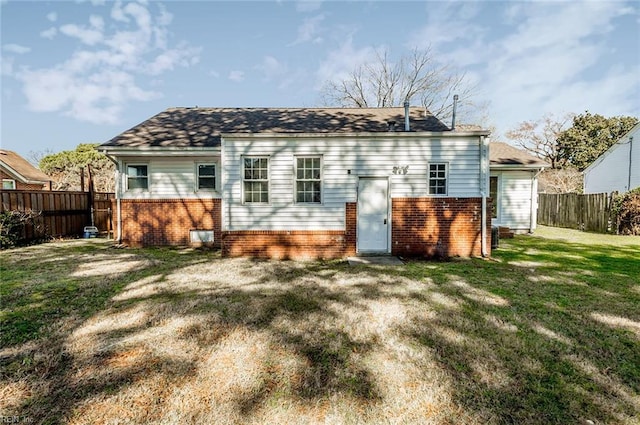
[
  {"x": 294, "y": 244},
  {"x": 168, "y": 221},
  {"x": 24, "y": 186},
  {"x": 438, "y": 227}
]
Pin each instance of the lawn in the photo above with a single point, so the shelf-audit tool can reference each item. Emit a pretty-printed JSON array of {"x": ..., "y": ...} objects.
[{"x": 547, "y": 331}]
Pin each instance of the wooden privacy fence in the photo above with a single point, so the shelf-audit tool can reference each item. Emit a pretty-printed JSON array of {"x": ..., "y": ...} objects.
[
  {"x": 60, "y": 213},
  {"x": 591, "y": 212}
]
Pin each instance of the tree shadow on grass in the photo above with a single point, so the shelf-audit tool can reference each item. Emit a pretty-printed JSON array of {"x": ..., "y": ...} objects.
[
  {"x": 541, "y": 358},
  {"x": 188, "y": 329}
]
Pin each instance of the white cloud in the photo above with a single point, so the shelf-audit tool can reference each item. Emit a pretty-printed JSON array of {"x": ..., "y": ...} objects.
[
  {"x": 52, "y": 16},
  {"x": 341, "y": 61},
  {"x": 308, "y": 5},
  {"x": 6, "y": 66},
  {"x": 16, "y": 48},
  {"x": 49, "y": 33},
  {"x": 309, "y": 30},
  {"x": 271, "y": 68},
  {"x": 96, "y": 82},
  {"x": 214, "y": 73},
  {"x": 236, "y": 76},
  {"x": 552, "y": 62},
  {"x": 89, "y": 36}
]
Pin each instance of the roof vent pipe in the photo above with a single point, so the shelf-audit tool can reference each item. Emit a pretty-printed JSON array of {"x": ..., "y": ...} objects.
[
  {"x": 453, "y": 115},
  {"x": 407, "y": 127}
]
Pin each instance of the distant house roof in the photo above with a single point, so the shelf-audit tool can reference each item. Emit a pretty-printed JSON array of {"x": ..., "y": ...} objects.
[
  {"x": 503, "y": 155},
  {"x": 203, "y": 127},
  {"x": 20, "y": 168}
]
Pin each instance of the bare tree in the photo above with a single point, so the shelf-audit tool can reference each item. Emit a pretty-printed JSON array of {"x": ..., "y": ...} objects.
[
  {"x": 34, "y": 157},
  {"x": 540, "y": 137},
  {"x": 561, "y": 180},
  {"x": 414, "y": 77}
]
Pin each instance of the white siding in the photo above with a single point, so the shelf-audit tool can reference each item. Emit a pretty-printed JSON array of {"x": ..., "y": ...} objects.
[
  {"x": 514, "y": 199},
  {"x": 344, "y": 160},
  {"x": 170, "y": 177},
  {"x": 610, "y": 172}
]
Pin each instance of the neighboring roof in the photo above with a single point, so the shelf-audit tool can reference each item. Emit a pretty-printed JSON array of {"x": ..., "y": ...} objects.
[
  {"x": 613, "y": 147},
  {"x": 203, "y": 127},
  {"x": 21, "y": 168},
  {"x": 504, "y": 155}
]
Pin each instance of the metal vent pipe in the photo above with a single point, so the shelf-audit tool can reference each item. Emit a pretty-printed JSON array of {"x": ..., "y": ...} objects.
[{"x": 407, "y": 126}]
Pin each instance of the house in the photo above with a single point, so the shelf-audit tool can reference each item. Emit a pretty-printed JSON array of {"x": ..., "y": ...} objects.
[
  {"x": 312, "y": 182},
  {"x": 18, "y": 174},
  {"x": 618, "y": 169},
  {"x": 513, "y": 187}
]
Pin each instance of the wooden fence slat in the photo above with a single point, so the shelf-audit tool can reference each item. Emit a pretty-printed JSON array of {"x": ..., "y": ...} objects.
[
  {"x": 62, "y": 213},
  {"x": 590, "y": 212}
]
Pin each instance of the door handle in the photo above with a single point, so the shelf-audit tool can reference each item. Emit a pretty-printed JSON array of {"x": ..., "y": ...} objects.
[{"x": 385, "y": 221}]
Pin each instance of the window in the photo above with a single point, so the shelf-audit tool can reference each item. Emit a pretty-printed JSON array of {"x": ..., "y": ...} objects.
[
  {"x": 308, "y": 180},
  {"x": 256, "y": 180},
  {"x": 206, "y": 176},
  {"x": 8, "y": 184},
  {"x": 493, "y": 194},
  {"x": 137, "y": 177},
  {"x": 438, "y": 179}
]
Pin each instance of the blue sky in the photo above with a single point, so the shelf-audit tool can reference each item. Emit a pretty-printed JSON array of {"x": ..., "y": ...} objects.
[{"x": 84, "y": 71}]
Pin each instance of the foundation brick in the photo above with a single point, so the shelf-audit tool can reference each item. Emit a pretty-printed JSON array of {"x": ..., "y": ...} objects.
[
  {"x": 438, "y": 227},
  {"x": 294, "y": 244},
  {"x": 149, "y": 222}
]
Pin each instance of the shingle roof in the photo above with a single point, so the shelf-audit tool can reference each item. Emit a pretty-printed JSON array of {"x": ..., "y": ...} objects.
[
  {"x": 22, "y": 167},
  {"x": 202, "y": 127},
  {"x": 504, "y": 155}
]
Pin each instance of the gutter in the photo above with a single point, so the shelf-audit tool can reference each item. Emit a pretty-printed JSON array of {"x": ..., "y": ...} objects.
[{"x": 118, "y": 194}]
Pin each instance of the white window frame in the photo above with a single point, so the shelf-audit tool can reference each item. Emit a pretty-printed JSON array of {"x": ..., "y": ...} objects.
[
  {"x": 13, "y": 183},
  {"x": 267, "y": 180},
  {"x": 197, "y": 177},
  {"x": 127, "y": 177},
  {"x": 446, "y": 178},
  {"x": 297, "y": 180}
]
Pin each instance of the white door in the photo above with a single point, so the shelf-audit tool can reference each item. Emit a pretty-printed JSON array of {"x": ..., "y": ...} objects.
[{"x": 373, "y": 215}]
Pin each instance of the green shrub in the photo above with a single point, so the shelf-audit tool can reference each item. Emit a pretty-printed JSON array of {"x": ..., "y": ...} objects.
[
  {"x": 12, "y": 226},
  {"x": 626, "y": 210}
]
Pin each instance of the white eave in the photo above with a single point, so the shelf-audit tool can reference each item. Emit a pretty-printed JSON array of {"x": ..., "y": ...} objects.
[
  {"x": 158, "y": 150},
  {"x": 515, "y": 167},
  {"x": 367, "y": 135}
]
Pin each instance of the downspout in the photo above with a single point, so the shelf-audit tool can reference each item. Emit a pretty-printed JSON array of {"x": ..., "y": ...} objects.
[
  {"x": 630, "y": 160},
  {"x": 118, "y": 194},
  {"x": 483, "y": 192}
]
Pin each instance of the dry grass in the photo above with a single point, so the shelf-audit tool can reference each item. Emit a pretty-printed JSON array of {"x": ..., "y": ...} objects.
[{"x": 174, "y": 336}]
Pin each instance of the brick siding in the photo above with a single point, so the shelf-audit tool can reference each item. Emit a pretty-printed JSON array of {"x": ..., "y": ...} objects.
[
  {"x": 24, "y": 186},
  {"x": 438, "y": 227},
  {"x": 421, "y": 227},
  {"x": 147, "y": 222},
  {"x": 294, "y": 244}
]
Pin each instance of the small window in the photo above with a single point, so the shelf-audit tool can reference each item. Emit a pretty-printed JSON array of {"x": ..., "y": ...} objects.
[
  {"x": 137, "y": 177},
  {"x": 206, "y": 176},
  {"x": 8, "y": 184},
  {"x": 438, "y": 179},
  {"x": 256, "y": 180},
  {"x": 308, "y": 180},
  {"x": 493, "y": 194}
]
